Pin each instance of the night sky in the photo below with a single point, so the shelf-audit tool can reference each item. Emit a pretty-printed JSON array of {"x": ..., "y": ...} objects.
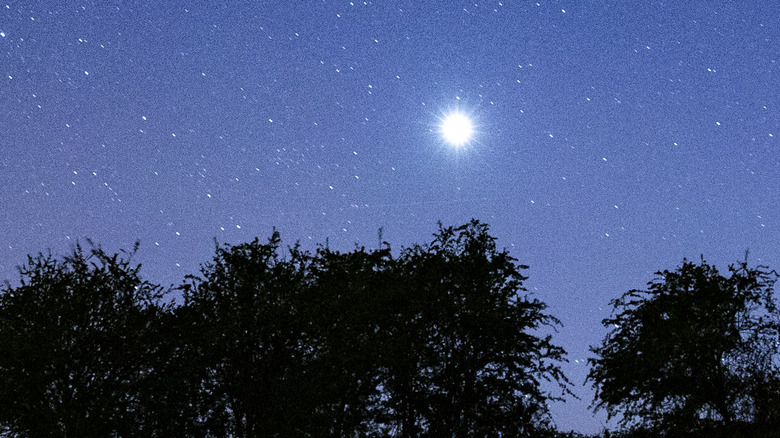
[{"x": 611, "y": 138}]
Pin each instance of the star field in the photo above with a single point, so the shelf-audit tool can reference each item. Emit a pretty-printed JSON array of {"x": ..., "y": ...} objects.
[{"x": 611, "y": 139}]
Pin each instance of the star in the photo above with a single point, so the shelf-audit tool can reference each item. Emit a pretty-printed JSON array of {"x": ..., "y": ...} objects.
[{"x": 457, "y": 129}]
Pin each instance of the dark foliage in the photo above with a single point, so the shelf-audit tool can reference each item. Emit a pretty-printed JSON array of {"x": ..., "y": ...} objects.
[
  {"x": 464, "y": 357},
  {"x": 697, "y": 350},
  {"x": 80, "y": 343},
  {"x": 251, "y": 345},
  {"x": 441, "y": 339},
  {"x": 347, "y": 307}
]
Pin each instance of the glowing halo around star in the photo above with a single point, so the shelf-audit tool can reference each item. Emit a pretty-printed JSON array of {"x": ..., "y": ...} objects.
[{"x": 456, "y": 128}]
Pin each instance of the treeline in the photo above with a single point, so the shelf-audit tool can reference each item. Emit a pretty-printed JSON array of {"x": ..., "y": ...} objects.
[{"x": 440, "y": 340}]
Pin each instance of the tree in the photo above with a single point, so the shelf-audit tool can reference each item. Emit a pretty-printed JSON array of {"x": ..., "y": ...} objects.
[
  {"x": 695, "y": 349},
  {"x": 466, "y": 356},
  {"x": 172, "y": 397},
  {"x": 347, "y": 309},
  {"x": 441, "y": 340},
  {"x": 77, "y": 346},
  {"x": 248, "y": 340},
  {"x": 290, "y": 347}
]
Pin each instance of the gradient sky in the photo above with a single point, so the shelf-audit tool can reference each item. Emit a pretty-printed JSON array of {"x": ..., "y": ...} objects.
[{"x": 613, "y": 138}]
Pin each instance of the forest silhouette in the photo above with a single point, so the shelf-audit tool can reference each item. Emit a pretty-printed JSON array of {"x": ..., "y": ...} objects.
[{"x": 441, "y": 339}]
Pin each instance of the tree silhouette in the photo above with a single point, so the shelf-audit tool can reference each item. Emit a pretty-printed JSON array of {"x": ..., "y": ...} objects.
[
  {"x": 244, "y": 312},
  {"x": 466, "y": 357},
  {"x": 346, "y": 308},
  {"x": 77, "y": 346},
  {"x": 441, "y": 340},
  {"x": 175, "y": 404},
  {"x": 696, "y": 349}
]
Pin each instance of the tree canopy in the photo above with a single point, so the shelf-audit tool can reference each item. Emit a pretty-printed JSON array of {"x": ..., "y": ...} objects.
[
  {"x": 696, "y": 349},
  {"x": 79, "y": 343},
  {"x": 441, "y": 338},
  {"x": 437, "y": 339},
  {"x": 470, "y": 359}
]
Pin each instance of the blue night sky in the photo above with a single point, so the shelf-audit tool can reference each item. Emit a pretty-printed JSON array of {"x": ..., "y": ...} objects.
[{"x": 613, "y": 138}]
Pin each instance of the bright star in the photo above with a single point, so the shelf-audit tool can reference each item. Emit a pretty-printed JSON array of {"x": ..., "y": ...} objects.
[{"x": 457, "y": 129}]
